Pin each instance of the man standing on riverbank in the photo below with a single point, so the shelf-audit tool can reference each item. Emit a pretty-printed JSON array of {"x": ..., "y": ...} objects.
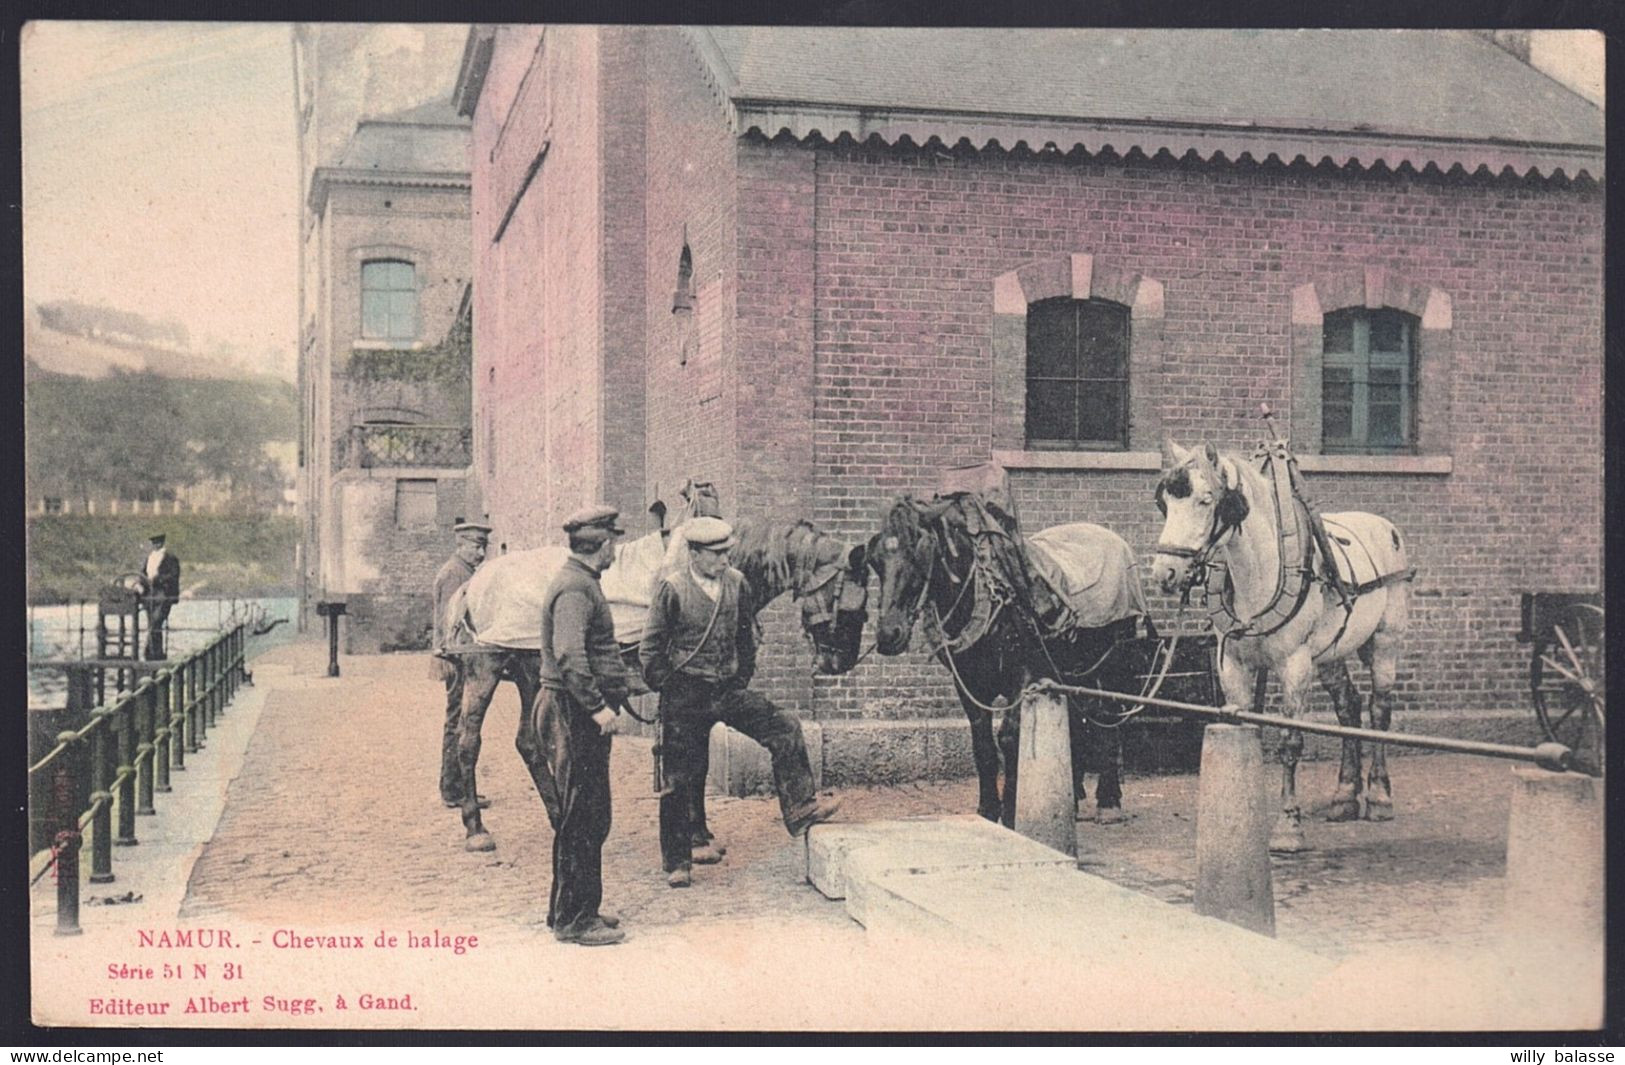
[
  {"x": 163, "y": 578},
  {"x": 472, "y": 538}
]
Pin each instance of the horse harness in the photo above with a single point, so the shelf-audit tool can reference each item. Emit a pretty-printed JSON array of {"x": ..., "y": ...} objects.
[{"x": 1306, "y": 538}]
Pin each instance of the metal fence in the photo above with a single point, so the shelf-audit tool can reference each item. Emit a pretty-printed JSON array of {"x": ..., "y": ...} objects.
[
  {"x": 408, "y": 445},
  {"x": 102, "y": 775}
]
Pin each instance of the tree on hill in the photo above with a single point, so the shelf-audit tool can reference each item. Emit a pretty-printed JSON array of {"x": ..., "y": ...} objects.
[{"x": 142, "y": 436}]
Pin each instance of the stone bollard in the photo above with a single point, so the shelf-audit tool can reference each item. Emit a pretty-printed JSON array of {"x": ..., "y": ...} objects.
[
  {"x": 1555, "y": 862},
  {"x": 1046, "y": 810},
  {"x": 1232, "y": 830}
]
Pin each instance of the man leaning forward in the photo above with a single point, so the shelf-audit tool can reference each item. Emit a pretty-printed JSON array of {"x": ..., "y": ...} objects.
[{"x": 699, "y": 652}]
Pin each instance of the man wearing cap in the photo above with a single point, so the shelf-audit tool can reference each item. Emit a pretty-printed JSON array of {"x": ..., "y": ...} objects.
[
  {"x": 565, "y": 739},
  {"x": 699, "y": 653},
  {"x": 472, "y": 538},
  {"x": 163, "y": 580}
]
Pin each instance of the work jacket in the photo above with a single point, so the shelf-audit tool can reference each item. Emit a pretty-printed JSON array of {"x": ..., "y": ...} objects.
[
  {"x": 452, "y": 576},
  {"x": 579, "y": 652},
  {"x": 678, "y": 621}
]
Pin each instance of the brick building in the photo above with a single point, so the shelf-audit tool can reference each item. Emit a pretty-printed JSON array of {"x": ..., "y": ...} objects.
[
  {"x": 818, "y": 266},
  {"x": 385, "y": 311}
]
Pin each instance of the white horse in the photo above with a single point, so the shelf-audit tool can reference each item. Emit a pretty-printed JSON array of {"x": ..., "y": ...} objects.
[{"x": 1283, "y": 609}]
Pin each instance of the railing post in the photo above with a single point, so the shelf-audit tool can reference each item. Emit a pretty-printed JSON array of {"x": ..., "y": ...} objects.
[
  {"x": 1232, "y": 831},
  {"x": 163, "y": 711},
  {"x": 124, "y": 773},
  {"x": 67, "y": 777},
  {"x": 146, "y": 757},
  {"x": 189, "y": 711},
  {"x": 101, "y": 822},
  {"x": 217, "y": 682},
  {"x": 1046, "y": 810}
]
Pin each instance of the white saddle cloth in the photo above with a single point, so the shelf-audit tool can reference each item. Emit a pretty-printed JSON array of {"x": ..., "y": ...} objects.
[
  {"x": 1091, "y": 569},
  {"x": 504, "y": 597}
]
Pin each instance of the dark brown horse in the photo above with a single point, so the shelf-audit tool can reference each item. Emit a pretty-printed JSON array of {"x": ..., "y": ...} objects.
[{"x": 985, "y": 612}]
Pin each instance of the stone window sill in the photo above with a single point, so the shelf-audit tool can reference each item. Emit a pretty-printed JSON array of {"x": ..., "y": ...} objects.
[
  {"x": 1079, "y": 460},
  {"x": 387, "y": 345},
  {"x": 1435, "y": 465},
  {"x": 1151, "y": 461}
]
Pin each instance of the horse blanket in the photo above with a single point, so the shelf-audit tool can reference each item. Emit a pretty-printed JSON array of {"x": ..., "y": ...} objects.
[
  {"x": 1091, "y": 570},
  {"x": 503, "y": 600}
]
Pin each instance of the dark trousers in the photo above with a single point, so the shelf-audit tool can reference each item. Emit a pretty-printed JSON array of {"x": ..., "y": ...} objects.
[
  {"x": 688, "y": 710},
  {"x": 157, "y": 618},
  {"x": 569, "y": 761},
  {"x": 451, "y": 672}
]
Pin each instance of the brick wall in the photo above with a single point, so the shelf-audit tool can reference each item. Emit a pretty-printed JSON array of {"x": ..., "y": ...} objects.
[
  {"x": 908, "y": 245},
  {"x": 538, "y": 312},
  {"x": 690, "y": 177}
]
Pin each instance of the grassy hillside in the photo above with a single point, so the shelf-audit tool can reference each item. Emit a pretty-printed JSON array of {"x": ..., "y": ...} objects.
[{"x": 71, "y": 556}]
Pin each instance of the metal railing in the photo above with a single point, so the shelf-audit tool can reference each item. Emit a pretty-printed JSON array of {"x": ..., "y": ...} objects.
[
  {"x": 409, "y": 445},
  {"x": 101, "y": 776}
]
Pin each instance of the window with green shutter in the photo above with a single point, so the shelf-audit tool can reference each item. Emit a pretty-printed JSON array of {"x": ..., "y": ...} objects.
[
  {"x": 1368, "y": 381},
  {"x": 389, "y": 300}
]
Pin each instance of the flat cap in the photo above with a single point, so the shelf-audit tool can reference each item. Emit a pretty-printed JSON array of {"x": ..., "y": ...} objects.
[
  {"x": 709, "y": 534},
  {"x": 156, "y": 538},
  {"x": 596, "y": 516},
  {"x": 472, "y": 530}
]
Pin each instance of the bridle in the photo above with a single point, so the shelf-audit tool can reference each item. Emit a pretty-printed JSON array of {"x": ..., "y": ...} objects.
[{"x": 1227, "y": 518}]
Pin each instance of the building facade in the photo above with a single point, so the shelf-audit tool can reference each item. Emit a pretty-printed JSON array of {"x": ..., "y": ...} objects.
[
  {"x": 385, "y": 306},
  {"x": 821, "y": 266}
]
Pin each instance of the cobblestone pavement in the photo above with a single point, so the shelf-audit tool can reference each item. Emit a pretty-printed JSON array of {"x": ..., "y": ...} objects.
[{"x": 336, "y": 814}]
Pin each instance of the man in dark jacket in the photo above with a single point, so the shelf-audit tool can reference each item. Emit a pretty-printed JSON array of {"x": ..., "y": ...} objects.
[
  {"x": 699, "y": 653},
  {"x": 163, "y": 578},
  {"x": 472, "y": 538},
  {"x": 565, "y": 739}
]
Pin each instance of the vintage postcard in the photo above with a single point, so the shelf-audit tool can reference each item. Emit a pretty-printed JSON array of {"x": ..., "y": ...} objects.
[{"x": 729, "y": 528}]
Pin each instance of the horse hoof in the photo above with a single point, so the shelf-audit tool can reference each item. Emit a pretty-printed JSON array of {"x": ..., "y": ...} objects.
[
  {"x": 1378, "y": 810},
  {"x": 1110, "y": 815},
  {"x": 480, "y": 841},
  {"x": 1343, "y": 810},
  {"x": 1287, "y": 843}
]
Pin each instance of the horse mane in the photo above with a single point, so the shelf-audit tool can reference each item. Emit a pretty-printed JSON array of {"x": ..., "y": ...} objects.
[{"x": 778, "y": 551}]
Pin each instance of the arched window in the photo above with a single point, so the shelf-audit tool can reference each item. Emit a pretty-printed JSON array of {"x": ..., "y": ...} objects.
[
  {"x": 389, "y": 300},
  {"x": 1368, "y": 380},
  {"x": 1077, "y": 373}
]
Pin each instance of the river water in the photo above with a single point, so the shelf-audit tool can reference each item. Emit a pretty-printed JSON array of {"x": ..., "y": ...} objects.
[{"x": 69, "y": 631}]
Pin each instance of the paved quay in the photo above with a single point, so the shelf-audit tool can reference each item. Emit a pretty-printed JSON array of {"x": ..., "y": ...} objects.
[{"x": 323, "y": 850}]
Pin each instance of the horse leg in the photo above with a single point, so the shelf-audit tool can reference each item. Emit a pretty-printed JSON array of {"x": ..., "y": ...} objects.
[
  {"x": 1381, "y": 657},
  {"x": 986, "y": 754},
  {"x": 1077, "y": 726},
  {"x": 1294, "y": 674},
  {"x": 1334, "y": 677},
  {"x": 1010, "y": 749},
  {"x": 484, "y": 671},
  {"x": 1109, "y": 783}
]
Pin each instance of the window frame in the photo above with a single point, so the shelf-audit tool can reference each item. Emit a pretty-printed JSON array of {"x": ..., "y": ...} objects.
[
  {"x": 389, "y": 336},
  {"x": 1362, "y": 356},
  {"x": 433, "y": 494},
  {"x": 1122, "y": 378}
]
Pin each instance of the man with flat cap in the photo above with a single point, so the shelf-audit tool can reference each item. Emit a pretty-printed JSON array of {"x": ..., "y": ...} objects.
[
  {"x": 163, "y": 580},
  {"x": 699, "y": 653},
  {"x": 472, "y": 538},
  {"x": 565, "y": 740}
]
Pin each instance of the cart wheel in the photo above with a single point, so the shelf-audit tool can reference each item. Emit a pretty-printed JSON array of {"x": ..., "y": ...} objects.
[{"x": 1566, "y": 683}]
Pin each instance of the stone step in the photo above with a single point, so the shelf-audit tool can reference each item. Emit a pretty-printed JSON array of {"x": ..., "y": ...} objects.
[
  {"x": 972, "y": 883},
  {"x": 841, "y": 858}
]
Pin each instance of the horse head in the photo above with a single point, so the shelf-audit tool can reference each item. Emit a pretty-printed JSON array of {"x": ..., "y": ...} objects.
[
  {"x": 834, "y": 608},
  {"x": 905, "y": 554},
  {"x": 1203, "y": 505}
]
